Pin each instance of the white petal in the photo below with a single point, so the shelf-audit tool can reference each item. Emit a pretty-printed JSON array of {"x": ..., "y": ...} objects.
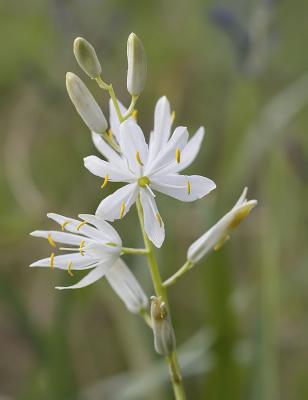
[
  {"x": 93, "y": 276},
  {"x": 103, "y": 168},
  {"x": 110, "y": 233},
  {"x": 114, "y": 119},
  {"x": 182, "y": 187},
  {"x": 242, "y": 198},
  {"x": 63, "y": 261},
  {"x": 132, "y": 142},
  {"x": 153, "y": 223},
  {"x": 107, "y": 151},
  {"x": 167, "y": 154},
  {"x": 126, "y": 286},
  {"x": 110, "y": 208},
  {"x": 162, "y": 127},
  {"x": 59, "y": 237},
  {"x": 73, "y": 225}
]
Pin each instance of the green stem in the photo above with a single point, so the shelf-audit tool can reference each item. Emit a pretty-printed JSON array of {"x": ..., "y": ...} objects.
[
  {"x": 160, "y": 290},
  {"x": 172, "y": 280},
  {"x": 147, "y": 319},
  {"x": 129, "y": 250}
]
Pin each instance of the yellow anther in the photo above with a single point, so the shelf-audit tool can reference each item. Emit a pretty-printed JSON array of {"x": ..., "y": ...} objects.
[
  {"x": 81, "y": 225},
  {"x": 138, "y": 158},
  {"x": 178, "y": 155},
  {"x": 69, "y": 268},
  {"x": 109, "y": 133},
  {"x": 134, "y": 115},
  {"x": 188, "y": 187},
  {"x": 172, "y": 116},
  {"x": 122, "y": 211},
  {"x": 81, "y": 247},
  {"x": 52, "y": 257},
  {"x": 64, "y": 225},
  {"x": 158, "y": 217},
  {"x": 241, "y": 214},
  {"x": 221, "y": 242},
  {"x": 50, "y": 241},
  {"x": 105, "y": 182}
]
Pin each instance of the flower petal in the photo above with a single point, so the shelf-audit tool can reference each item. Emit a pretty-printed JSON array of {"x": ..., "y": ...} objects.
[
  {"x": 167, "y": 154},
  {"x": 118, "y": 204},
  {"x": 133, "y": 146},
  {"x": 114, "y": 119},
  {"x": 126, "y": 286},
  {"x": 153, "y": 223},
  {"x": 110, "y": 233},
  {"x": 93, "y": 276},
  {"x": 182, "y": 187},
  {"x": 162, "y": 127},
  {"x": 59, "y": 237},
  {"x": 107, "y": 151},
  {"x": 75, "y": 226},
  {"x": 62, "y": 262},
  {"x": 103, "y": 168}
]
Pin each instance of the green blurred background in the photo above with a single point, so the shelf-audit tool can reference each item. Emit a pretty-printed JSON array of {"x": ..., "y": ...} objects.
[{"x": 240, "y": 69}]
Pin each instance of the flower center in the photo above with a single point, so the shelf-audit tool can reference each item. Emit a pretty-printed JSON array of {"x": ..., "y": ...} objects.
[{"x": 143, "y": 181}]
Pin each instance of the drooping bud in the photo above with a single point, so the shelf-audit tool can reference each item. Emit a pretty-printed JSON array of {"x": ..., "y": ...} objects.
[
  {"x": 215, "y": 237},
  {"x": 86, "y": 57},
  {"x": 137, "y": 65},
  {"x": 85, "y": 104},
  {"x": 126, "y": 286},
  {"x": 164, "y": 337}
]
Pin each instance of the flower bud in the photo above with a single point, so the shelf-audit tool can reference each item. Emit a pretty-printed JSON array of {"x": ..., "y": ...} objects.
[
  {"x": 215, "y": 237},
  {"x": 86, "y": 57},
  {"x": 126, "y": 286},
  {"x": 164, "y": 337},
  {"x": 85, "y": 104},
  {"x": 137, "y": 65}
]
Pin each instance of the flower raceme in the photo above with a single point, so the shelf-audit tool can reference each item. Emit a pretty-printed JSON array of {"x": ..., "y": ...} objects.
[
  {"x": 148, "y": 167},
  {"x": 96, "y": 246},
  {"x": 215, "y": 237}
]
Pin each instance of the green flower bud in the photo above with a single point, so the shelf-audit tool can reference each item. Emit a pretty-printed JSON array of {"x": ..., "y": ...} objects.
[
  {"x": 86, "y": 57},
  {"x": 137, "y": 65},
  {"x": 164, "y": 337},
  {"x": 85, "y": 104}
]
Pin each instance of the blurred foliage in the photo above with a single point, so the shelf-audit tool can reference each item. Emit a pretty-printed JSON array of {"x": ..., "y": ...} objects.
[{"x": 239, "y": 68}]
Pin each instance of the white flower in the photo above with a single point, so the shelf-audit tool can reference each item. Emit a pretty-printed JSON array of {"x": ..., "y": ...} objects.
[
  {"x": 219, "y": 233},
  {"x": 148, "y": 167},
  {"x": 96, "y": 248}
]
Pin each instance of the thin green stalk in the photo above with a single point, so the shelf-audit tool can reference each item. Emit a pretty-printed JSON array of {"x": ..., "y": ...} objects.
[
  {"x": 147, "y": 319},
  {"x": 160, "y": 290},
  {"x": 173, "y": 279},
  {"x": 129, "y": 250}
]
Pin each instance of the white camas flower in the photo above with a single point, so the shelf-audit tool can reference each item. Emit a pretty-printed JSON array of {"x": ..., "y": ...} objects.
[
  {"x": 215, "y": 237},
  {"x": 148, "y": 167},
  {"x": 96, "y": 246}
]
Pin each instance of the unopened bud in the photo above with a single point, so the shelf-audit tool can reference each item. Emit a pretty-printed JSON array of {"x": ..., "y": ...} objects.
[
  {"x": 164, "y": 337},
  {"x": 137, "y": 65},
  {"x": 85, "y": 104},
  {"x": 86, "y": 57}
]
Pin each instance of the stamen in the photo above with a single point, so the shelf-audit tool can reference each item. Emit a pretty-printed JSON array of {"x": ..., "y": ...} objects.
[
  {"x": 221, "y": 242},
  {"x": 172, "y": 116},
  {"x": 188, "y": 187},
  {"x": 138, "y": 158},
  {"x": 80, "y": 247},
  {"x": 109, "y": 133},
  {"x": 105, "y": 182},
  {"x": 158, "y": 217},
  {"x": 122, "y": 211},
  {"x": 52, "y": 257},
  {"x": 178, "y": 155},
  {"x": 69, "y": 268},
  {"x": 50, "y": 241},
  {"x": 81, "y": 225},
  {"x": 134, "y": 114},
  {"x": 64, "y": 225}
]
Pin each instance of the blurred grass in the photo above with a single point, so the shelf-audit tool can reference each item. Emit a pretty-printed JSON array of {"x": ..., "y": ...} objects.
[{"x": 253, "y": 293}]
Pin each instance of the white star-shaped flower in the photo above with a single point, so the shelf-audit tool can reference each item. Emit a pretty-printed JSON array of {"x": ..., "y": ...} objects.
[
  {"x": 95, "y": 246},
  {"x": 148, "y": 167}
]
